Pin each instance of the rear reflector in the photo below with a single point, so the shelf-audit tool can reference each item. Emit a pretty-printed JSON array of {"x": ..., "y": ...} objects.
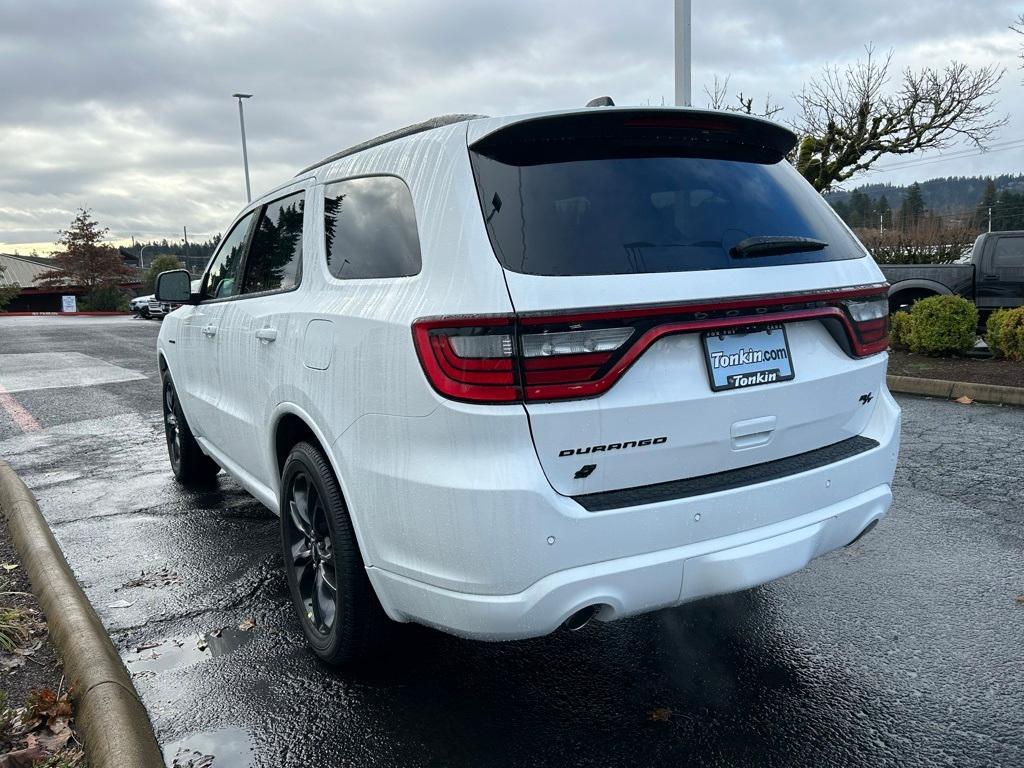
[{"x": 563, "y": 357}]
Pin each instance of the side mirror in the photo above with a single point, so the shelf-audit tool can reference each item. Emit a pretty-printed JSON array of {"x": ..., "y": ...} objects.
[{"x": 174, "y": 287}]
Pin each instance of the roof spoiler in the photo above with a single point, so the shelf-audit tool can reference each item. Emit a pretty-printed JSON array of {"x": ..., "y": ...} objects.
[{"x": 624, "y": 132}]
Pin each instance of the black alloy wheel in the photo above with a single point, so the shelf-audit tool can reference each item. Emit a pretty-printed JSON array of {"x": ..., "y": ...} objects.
[
  {"x": 340, "y": 615},
  {"x": 311, "y": 553},
  {"x": 190, "y": 465}
]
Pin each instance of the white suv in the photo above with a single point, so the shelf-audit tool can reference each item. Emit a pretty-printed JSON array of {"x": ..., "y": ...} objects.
[{"x": 499, "y": 375}]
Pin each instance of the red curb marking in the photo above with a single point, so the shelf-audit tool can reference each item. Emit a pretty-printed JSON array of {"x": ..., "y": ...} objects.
[
  {"x": 64, "y": 314},
  {"x": 25, "y": 420}
]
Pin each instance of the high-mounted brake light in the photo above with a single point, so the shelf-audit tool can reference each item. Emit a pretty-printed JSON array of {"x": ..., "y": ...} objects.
[{"x": 562, "y": 357}]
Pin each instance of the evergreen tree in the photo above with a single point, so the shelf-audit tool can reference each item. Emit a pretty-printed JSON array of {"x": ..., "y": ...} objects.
[
  {"x": 988, "y": 200},
  {"x": 861, "y": 210},
  {"x": 841, "y": 208},
  {"x": 1008, "y": 211},
  {"x": 912, "y": 210},
  {"x": 883, "y": 212}
]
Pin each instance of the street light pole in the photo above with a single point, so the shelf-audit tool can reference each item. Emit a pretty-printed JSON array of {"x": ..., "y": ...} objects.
[
  {"x": 245, "y": 153},
  {"x": 682, "y": 53}
]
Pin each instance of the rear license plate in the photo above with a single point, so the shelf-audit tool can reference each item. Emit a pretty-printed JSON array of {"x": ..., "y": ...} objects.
[{"x": 746, "y": 357}]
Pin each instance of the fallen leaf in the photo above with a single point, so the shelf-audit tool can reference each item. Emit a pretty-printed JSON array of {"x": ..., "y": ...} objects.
[
  {"x": 247, "y": 624},
  {"x": 660, "y": 715},
  {"x": 23, "y": 758},
  {"x": 146, "y": 647},
  {"x": 1020, "y": 599},
  {"x": 9, "y": 566},
  {"x": 217, "y": 632},
  {"x": 120, "y": 604},
  {"x": 964, "y": 400},
  {"x": 59, "y": 735}
]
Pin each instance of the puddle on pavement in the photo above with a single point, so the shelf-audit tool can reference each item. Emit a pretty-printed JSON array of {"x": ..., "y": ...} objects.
[
  {"x": 228, "y": 748},
  {"x": 178, "y": 652}
]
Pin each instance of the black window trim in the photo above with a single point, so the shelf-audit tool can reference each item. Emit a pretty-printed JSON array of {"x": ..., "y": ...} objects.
[
  {"x": 247, "y": 245},
  {"x": 323, "y": 238}
]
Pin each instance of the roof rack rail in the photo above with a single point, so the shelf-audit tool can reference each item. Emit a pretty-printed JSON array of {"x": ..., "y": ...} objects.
[{"x": 401, "y": 133}]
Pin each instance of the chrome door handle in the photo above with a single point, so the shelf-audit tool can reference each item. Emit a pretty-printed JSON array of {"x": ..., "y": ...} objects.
[
  {"x": 266, "y": 334},
  {"x": 209, "y": 330}
]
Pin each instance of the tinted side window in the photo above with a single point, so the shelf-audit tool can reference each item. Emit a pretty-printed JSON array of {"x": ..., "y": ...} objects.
[
  {"x": 1009, "y": 252},
  {"x": 370, "y": 228},
  {"x": 276, "y": 252},
  {"x": 222, "y": 276}
]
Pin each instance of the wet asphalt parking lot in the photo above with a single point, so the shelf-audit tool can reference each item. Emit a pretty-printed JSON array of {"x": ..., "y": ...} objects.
[{"x": 906, "y": 648}]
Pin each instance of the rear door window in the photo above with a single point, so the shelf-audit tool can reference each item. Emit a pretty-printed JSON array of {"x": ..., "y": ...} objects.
[
  {"x": 222, "y": 276},
  {"x": 370, "y": 228},
  {"x": 275, "y": 257},
  {"x": 643, "y": 214},
  {"x": 1009, "y": 252}
]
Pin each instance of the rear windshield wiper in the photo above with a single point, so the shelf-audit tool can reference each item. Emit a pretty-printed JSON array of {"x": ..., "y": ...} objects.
[{"x": 774, "y": 245}]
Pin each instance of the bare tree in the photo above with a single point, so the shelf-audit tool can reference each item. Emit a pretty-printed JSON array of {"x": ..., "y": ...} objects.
[
  {"x": 718, "y": 99},
  {"x": 1018, "y": 27},
  {"x": 849, "y": 117}
]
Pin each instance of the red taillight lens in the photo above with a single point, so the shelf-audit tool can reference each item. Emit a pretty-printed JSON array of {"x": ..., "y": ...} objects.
[
  {"x": 470, "y": 359},
  {"x": 562, "y": 357},
  {"x": 869, "y": 319}
]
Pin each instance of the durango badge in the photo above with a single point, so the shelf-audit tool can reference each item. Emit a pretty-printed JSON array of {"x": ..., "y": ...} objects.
[{"x": 613, "y": 446}]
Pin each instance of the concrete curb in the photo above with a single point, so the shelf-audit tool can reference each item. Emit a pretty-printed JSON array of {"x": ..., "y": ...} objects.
[
  {"x": 950, "y": 390},
  {"x": 110, "y": 718}
]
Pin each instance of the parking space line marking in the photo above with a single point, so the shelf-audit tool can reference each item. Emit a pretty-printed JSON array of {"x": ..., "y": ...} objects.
[{"x": 25, "y": 420}]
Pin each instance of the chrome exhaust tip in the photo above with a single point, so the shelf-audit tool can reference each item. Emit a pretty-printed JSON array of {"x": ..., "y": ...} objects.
[{"x": 581, "y": 618}]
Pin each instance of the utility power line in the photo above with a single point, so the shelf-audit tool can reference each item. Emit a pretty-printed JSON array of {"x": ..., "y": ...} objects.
[{"x": 1001, "y": 147}]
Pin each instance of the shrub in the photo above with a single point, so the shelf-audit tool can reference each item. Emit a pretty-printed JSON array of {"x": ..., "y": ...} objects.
[
  {"x": 1004, "y": 333},
  {"x": 994, "y": 330},
  {"x": 899, "y": 330},
  {"x": 106, "y": 298},
  {"x": 941, "y": 325}
]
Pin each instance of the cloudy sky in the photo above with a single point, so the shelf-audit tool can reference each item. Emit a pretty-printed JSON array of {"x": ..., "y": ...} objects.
[{"x": 123, "y": 106}]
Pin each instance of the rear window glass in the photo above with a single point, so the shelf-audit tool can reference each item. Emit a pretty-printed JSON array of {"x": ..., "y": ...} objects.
[
  {"x": 611, "y": 216},
  {"x": 1009, "y": 252},
  {"x": 370, "y": 228}
]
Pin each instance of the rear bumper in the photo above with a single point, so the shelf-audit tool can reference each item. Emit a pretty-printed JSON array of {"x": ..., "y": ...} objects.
[
  {"x": 475, "y": 541},
  {"x": 637, "y": 584}
]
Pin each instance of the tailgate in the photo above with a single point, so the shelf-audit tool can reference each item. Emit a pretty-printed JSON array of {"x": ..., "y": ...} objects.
[{"x": 628, "y": 237}]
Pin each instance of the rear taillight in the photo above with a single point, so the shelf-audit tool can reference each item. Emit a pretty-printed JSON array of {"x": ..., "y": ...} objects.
[
  {"x": 869, "y": 318},
  {"x": 562, "y": 357},
  {"x": 470, "y": 359}
]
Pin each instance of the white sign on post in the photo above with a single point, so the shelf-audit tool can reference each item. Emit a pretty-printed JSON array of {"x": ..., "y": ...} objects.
[{"x": 68, "y": 304}]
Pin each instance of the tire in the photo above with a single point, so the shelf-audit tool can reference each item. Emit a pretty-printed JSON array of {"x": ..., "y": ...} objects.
[
  {"x": 190, "y": 465},
  {"x": 345, "y": 626}
]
